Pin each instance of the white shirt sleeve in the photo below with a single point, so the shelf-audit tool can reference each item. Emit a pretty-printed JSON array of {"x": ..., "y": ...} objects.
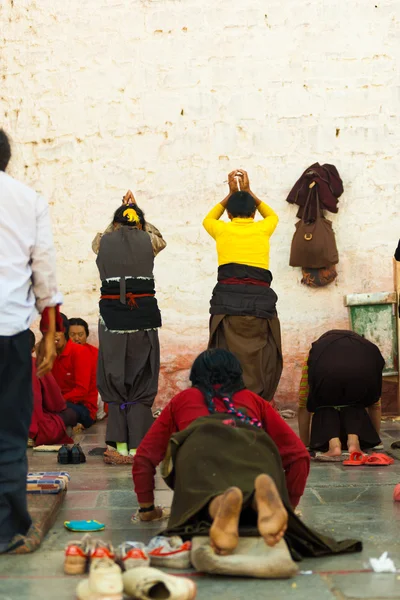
[{"x": 43, "y": 260}]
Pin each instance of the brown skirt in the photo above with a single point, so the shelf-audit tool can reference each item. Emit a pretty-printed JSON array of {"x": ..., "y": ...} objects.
[
  {"x": 257, "y": 345},
  {"x": 210, "y": 456}
]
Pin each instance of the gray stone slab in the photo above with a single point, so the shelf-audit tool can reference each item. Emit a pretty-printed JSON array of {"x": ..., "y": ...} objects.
[
  {"x": 300, "y": 588},
  {"x": 117, "y": 499},
  {"x": 48, "y": 588},
  {"x": 344, "y": 503},
  {"x": 368, "y": 585}
]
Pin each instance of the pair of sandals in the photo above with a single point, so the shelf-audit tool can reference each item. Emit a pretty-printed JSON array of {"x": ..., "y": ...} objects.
[{"x": 377, "y": 459}]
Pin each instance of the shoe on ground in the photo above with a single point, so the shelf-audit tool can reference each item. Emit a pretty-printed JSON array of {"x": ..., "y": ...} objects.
[
  {"x": 145, "y": 583},
  {"x": 104, "y": 582},
  {"x": 133, "y": 554},
  {"x": 77, "y": 455},
  {"x": 77, "y": 555},
  {"x": 112, "y": 457},
  {"x": 169, "y": 552},
  {"x": 101, "y": 550},
  {"x": 64, "y": 455}
]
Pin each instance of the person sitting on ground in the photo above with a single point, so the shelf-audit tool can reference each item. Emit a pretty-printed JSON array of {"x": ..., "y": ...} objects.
[
  {"x": 229, "y": 457},
  {"x": 243, "y": 305},
  {"x": 78, "y": 332},
  {"x": 341, "y": 386},
  {"x": 72, "y": 371},
  {"x": 50, "y": 415}
]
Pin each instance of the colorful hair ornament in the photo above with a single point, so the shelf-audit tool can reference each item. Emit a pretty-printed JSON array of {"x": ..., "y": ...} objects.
[{"x": 131, "y": 215}]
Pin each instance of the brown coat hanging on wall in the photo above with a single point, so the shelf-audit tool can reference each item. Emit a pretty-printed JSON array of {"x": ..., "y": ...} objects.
[
  {"x": 330, "y": 188},
  {"x": 314, "y": 246}
]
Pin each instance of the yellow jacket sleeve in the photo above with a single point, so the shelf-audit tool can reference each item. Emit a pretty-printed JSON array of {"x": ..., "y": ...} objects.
[
  {"x": 211, "y": 223},
  {"x": 270, "y": 218}
]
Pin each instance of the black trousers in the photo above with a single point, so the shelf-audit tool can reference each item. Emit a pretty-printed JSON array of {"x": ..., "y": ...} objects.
[{"x": 16, "y": 406}]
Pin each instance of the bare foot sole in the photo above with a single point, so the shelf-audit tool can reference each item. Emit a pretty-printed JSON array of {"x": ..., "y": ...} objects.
[
  {"x": 224, "y": 532},
  {"x": 272, "y": 515}
]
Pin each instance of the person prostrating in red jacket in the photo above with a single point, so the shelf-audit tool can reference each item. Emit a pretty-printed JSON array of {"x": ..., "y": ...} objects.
[{"x": 234, "y": 464}]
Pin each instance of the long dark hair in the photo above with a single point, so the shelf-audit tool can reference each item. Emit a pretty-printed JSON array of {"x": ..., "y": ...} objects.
[
  {"x": 66, "y": 325},
  {"x": 218, "y": 374},
  {"x": 121, "y": 218}
]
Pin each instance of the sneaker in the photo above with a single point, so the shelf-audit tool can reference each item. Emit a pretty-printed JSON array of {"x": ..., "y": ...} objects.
[
  {"x": 105, "y": 581},
  {"x": 77, "y": 555},
  {"x": 132, "y": 555},
  {"x": 77, "y": 455},
  {"x": 101, "y": 550},
  {"x": 145, "y": 583},
  {"x": 64, "y": 455},
  {"x": 169, "y": 552}
]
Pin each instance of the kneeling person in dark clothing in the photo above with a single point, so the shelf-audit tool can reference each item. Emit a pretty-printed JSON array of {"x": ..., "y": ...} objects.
[{"x": 342, "y": 383}]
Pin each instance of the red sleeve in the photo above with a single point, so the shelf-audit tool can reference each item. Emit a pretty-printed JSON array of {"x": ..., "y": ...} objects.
[
  {"x": 81, "y": 368},
  {"x": 150, "y": 453},
  {"x": 296, "y": 479},
  {"x": 44, "y": 322},
  {"x": 295, "y": 458}
]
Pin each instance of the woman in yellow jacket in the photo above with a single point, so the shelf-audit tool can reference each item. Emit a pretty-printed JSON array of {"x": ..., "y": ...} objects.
[{"x": 243, "y": 305}]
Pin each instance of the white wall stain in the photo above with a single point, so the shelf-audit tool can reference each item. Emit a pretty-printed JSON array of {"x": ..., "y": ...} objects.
[{"x": 166, "y": 97}]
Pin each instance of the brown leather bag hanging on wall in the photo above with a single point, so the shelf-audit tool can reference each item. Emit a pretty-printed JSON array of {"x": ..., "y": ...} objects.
[{"x": 313, "y": 243}]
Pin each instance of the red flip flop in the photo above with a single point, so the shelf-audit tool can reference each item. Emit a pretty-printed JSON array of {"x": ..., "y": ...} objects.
[
  {"x": 378, "y": 460},
  {"x": 356, "y": 460}
]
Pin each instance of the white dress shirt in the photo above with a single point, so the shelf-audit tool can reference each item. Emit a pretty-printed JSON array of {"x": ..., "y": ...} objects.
[{"x": 27, "y": 258}]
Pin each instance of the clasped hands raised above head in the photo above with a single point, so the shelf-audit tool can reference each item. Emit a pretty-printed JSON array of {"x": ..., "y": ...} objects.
[{"x": 238, "y": 181}]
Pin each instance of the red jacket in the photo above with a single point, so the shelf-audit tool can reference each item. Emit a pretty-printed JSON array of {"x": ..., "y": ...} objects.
[
  {"x": 188, "y": 406},
  {"x": 72, "y": 370}
]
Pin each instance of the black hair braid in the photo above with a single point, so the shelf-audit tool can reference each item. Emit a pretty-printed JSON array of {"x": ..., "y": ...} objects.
[
  {"x": 220, "y": 368},
  {"x": 209, "y": 393}
]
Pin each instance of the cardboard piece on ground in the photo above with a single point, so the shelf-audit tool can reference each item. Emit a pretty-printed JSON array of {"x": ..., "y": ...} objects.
[
  {"x": 44, "y": 448},
  {"x": 252, "y": 558}
]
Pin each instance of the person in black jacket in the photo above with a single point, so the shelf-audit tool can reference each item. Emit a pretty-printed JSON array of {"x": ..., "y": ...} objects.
[{"x": 397, "y": 253}]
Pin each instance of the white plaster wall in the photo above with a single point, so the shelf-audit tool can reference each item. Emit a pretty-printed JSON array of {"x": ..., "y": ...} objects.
[{"x": 166, "y": 97}]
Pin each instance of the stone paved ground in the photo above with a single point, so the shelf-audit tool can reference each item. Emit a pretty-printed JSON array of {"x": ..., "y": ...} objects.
[{"x": 345, "y": 503}]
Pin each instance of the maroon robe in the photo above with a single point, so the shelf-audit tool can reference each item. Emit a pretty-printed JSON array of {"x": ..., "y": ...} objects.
[{"x": 47, "y": 427}]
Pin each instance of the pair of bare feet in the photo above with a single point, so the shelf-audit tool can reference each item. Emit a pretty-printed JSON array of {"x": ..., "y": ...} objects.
[
  {"x": 225, "y": 511},
  {"x": 335, "y": 445}
]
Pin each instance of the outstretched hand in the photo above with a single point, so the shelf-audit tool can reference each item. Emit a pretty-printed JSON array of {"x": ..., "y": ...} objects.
[{"x": 129, "y": 198}]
